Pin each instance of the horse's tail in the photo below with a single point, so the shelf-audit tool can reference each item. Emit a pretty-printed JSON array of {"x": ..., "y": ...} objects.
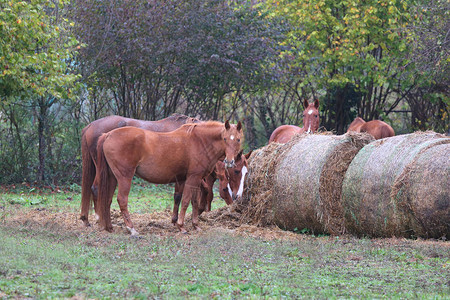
[
  {"x": 106, "y": 185},
  {"x": 87, "y": 179}
]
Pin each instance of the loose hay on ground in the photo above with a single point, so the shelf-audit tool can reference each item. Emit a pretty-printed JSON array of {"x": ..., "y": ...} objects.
[{"x": 399, "y": 187}]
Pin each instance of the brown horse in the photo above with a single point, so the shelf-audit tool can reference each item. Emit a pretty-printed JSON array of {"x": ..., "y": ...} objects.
[
  {"x": 231, "y": 182},
  {"x": 284, "y": 133},
  {"x": 185, "y": 155},
  {"x": 90, "y": 136},
  {"x": 378, "y": 129}
]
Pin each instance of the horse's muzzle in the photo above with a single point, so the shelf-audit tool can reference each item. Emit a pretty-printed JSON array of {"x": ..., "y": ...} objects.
[{"x": 229, "y": 164}]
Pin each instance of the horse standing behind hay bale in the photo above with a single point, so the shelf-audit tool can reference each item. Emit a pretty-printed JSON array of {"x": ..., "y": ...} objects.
[
  {"x": 378, "y": 129},
  {"x": 299, "y": 184},
  {"x": 400, "y": 187},
  {"x": 284, "y": 133}
]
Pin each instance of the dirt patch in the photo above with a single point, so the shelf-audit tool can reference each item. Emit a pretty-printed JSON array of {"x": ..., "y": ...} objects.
[{"x": 225, "y": 219}]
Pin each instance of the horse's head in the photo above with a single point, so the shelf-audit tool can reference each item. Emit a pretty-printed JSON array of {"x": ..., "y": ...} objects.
[
  {"x": 224, "y": 186},
  {"x": 311, "y": 116},
  {"x": 231, "y": 180},
  {"x": 356, "y": 124},
  {"x": 232, "y": 137}
]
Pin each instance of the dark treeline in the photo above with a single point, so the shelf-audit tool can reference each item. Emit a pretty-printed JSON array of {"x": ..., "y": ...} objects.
[{"x": 221, "y": 60}]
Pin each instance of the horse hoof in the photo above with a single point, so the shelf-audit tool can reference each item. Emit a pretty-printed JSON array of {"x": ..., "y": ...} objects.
[
  {"x": 132, "y": 231},
  {"x": 182, "y": 229},
  {"x": 85, "y": 221}
]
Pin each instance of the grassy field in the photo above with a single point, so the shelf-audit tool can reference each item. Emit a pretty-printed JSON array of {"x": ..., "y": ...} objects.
[{"x": 45, "y": 260}]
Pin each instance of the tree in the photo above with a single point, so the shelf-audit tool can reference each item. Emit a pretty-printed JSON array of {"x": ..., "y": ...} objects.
[
  {"x": 430, "y": 99},
  {"x": 344, "y": 44},
  {"x": 155, "y": 57},
  {"x": 35, "y": 50},
  {"x": 35, "y": 59}
]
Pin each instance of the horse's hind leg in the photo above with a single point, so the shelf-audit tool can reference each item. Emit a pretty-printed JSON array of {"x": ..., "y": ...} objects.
[
  {"x": 122, "y": 199},
  {"x": 88, "y": 174}
]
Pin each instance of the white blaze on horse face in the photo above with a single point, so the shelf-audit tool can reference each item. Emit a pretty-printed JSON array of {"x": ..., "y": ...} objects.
[
  {"x": 230, "y": 191},
  {"x": 232, "y": 137},
  {"x": 309, "y": 129},
  {"x": 310, "y": 112},
  {"x": 241, "y": 184}
]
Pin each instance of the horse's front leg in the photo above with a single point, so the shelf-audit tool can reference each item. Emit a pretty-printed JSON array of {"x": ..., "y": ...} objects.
[
  {"x": 122, "y": 199},
  {"x": 177, "y": 195},
  {"x": 207, "y": 194},
  {"x": 191, "y": 193}
]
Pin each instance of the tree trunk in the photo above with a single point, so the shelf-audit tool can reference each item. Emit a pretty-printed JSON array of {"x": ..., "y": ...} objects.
[{"x": 41, "y": 138}]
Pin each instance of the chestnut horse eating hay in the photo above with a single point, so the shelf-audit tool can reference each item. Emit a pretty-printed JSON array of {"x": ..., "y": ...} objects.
[
  {"x": 231, "y": 182},
  {"x": 185, "y": 155},
  {"x": 284, "y": 133},
  {"x": 378, "y": 129},
  {"x": 90, "y": 136}
]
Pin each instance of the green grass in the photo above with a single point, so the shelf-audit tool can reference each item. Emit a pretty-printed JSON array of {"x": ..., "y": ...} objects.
[
  {"x": 144, "y": 197},
  {"x": 51, "y": 263}
]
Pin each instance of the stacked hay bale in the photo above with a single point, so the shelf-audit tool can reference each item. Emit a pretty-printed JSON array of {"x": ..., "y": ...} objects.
[
  {"x": 298, "y": 185},
  {"x": 399, "y": 187}
]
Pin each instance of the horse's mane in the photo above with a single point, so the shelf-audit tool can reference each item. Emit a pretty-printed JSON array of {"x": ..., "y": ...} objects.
[
  {"x": 191, "y": 126},
  {"x": 177, "y": 117}
]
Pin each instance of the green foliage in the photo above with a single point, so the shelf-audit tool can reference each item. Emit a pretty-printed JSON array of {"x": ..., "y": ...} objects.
[
  {"x": 347, "y": 41},
  {"x": 19, "y": 154},
  {"x": 35, "y": 49}
]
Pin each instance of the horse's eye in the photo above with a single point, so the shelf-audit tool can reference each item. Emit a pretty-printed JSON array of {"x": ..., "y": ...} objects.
[
  {"x": 238, "y": 140},
  {"x": 316, "y": 116},
  {"x": 236, "y": 172},
  {"x": 225, "y": 139},
  {"x": 225, "y": 189}
]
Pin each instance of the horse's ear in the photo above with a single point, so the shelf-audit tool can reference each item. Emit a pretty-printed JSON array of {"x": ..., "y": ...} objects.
[
  {"x": 305, "y": 103},
  {"x": 239, "y": 155},
  {"x": 227, "y": 125},
  {"x": 239, "y": 126},
  {"x": 316, "y": 103},
  {"x": 247, "y": 156}
]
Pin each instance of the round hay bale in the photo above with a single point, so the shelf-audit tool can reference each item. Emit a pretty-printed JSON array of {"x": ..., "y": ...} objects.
[
  {"x": 256, "y": 199},
  {"x": 298, "y": 185},
  {"x": 374, "y": 174},
  {"x": 422, "y": 191}
]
